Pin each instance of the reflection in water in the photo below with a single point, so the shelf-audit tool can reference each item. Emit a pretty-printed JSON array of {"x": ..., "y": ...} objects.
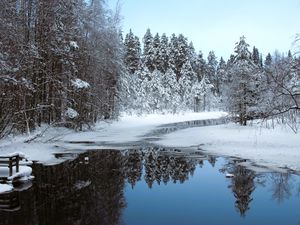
[
  {"x": 242, "y": 187},
  {"x": 163, "y": 167},
  {"x": 90, "y": 189},
  {"x": 58, "y": 198},
  {"x": 281, "y": 186}
]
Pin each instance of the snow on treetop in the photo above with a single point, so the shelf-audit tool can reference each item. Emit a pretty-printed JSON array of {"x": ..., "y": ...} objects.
[
  {"x": 80, "y": 84},
  {"x": 71, "y": 113}
]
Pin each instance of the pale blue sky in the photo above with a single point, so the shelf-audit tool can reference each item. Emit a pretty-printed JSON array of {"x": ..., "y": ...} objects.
[{"x": 216, "y": 24}]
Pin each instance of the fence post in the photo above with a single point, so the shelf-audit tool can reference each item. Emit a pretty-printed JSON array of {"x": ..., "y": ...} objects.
[
  {"x": 10, "y": 166},
  {"x": 17, "y": 163}
]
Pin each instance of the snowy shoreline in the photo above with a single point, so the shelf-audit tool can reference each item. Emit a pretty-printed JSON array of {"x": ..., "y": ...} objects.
[{"x": 277, "y": 147}]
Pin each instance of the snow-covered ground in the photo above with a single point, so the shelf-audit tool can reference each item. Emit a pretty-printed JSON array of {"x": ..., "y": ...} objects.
[
  {"x": 127, "y": 129},
  {"x": 132, "y": 128},
  {"x": 278, "y": 147},
  {"x": 271, "y": 147}
]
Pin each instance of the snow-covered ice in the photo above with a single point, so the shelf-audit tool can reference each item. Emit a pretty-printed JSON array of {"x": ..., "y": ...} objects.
[{"x": 271, "y": 147}]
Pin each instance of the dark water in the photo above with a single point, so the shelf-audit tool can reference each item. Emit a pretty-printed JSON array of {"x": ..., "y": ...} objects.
[{"x": 153, "y": 186}]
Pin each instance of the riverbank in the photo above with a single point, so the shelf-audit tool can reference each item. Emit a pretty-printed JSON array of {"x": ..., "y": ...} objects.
[
  {"x": 48, "y": 141},
  {"x": 272, "y": 147}
]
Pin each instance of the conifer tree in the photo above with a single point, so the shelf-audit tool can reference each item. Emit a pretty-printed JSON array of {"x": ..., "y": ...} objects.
[
  {"x": 242, "y": 93},
  {"x": 132, "y": 52},
  {"x": 148, "y": 51}
]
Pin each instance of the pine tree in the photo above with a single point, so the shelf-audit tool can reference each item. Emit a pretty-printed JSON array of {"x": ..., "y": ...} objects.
[
  {"x": 178, "y": 53},
  {"x": 255, "y": 56},
  {"x": 163, "y": 54},
  {"x": 212, "y": 64},
  {"x": 186, "y": 80},
  {"x": 242, "y": 93},
  {"x": 132, "y": 52},
  {"x": 148, "y": 51},
  {"x": 221, "y": 74},
  {"x": 201, "y": 67},
  {"x": 157, "y": 54}
]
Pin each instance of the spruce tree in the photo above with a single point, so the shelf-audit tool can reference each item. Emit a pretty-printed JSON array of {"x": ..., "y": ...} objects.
[
  {"x": 243, "y": 92},
  {"x": 148, "y": 51},
  {"x": 132, "y": 52},
  {"x": 212, "y": 64}
]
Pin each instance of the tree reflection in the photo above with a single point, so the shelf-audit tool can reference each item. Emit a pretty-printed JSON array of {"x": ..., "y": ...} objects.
[
  {"x": 90, "y": 189},
  {"x": 281, "y": 186},
  {"x": 160, "y": 166},
  {"x": 242, "y": 184},
  {"x": 74, "y": 192},
  {"x": 133, "y": 166},
  {"x": 242, "y": 187}
]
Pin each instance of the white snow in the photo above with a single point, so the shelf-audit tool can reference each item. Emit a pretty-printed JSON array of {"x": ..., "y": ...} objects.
[
  {"x": 278, "y": 147},
  {"x": 80, "y": 84},
  {"x": 5, "y": 188},
  {"x": 24, "y": 172},
  {"x": 41, "y": 149},
  {"x": 21, "y": 154},
  {"x": 71, "y": 113},
  {"x": 273, "y": 148},
  {"x": 128, "y": 128},
  {"x": 74, "y": 44},
  {"x": 131, "y": 128}
]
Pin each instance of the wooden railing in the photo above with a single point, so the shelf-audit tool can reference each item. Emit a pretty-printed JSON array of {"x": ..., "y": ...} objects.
[{"x": 10, "y": 162}]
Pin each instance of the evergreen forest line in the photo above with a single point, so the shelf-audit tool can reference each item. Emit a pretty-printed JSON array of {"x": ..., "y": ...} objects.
[{"x": 65, "y": 63}]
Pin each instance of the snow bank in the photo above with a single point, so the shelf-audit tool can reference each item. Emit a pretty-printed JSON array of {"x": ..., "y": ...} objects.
[
  {"x": 41, "y": 149},
  {"x": 132, "y": 127},
  {"x": 126, "y": 129},
  {"x": 5, "y": 188},
  {"x": 278, "y": 147}
]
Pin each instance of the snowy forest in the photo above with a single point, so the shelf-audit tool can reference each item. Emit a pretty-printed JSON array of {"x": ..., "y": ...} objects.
[
  {"x": 68, "y": 63},
  {"x": 169, "y": 76}
]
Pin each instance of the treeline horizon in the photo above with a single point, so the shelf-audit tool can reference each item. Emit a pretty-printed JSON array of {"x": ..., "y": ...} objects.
[
  {"x": 165, "y": 74},
  {"x": 65, "y": 63}
]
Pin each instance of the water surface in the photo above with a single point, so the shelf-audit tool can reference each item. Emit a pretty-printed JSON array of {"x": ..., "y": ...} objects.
[{"x": 153, "y": 186}]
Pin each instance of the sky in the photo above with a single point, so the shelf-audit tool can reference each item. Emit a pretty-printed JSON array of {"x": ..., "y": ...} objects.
[{"x": 216, "y": 24}]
